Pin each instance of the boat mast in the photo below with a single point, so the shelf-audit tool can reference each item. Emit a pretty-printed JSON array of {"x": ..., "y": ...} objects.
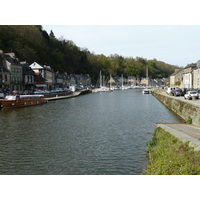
[
  {"x": 100, "y": 76},
  {"x": 110, "y": 81},
  {"x": 147, "y": 78},
  {"x": 122, "y": 81}
]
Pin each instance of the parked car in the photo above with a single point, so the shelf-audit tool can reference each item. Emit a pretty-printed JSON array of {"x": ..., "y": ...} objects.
[
  {"x": 170, "y": 89},
  {"x": 190, "y": 94},
  {"x": 39, "y": 92},
  {"x": 28, "y": 92},
  {"x": 198, "y": 91},
  {"x": 177, "y": 92}
]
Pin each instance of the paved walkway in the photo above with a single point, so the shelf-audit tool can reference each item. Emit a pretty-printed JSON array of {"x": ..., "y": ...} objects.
[
  {"x": 184, "y": 132},
  {"x": 63, "y": 97},
  {"x": 194, "y": 102}
]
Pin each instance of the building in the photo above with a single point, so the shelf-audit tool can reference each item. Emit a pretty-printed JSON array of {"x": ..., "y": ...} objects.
[
  {"x": 188, "y": 75},
  {"x": 196, "y": 76},
  {"x": 176, "y": 79},
  {"x": 4, "y": 74},
  {"x": 13, "y": 65},
  {"x": 82, "y": 79},
  {"x": 132, "y": 80},
  {"x": 60, "y": 80},
  {"x": 28, "y": 76},
  {"x": 47, "y": 73}
]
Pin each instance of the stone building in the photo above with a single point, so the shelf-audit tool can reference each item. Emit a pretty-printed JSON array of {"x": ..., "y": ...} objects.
[
  {"x": 28, "y": 76},
  {"x": 15, "y": 69},
  {"x": 176, "y": 79},
  {"x": 4, "y": 74},
  {"x": 47, "y": 73},
  {"x": 196, "y": 76},
  {"x": 188, "y": 75}
]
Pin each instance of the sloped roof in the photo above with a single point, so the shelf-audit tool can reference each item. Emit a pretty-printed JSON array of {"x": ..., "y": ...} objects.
[
  {"x": 26, "y": 69},
  {"x": 3, "y": 65},
  {"x": 36, "y": 66},
  {"x": 39, "y": 79},
  {"x": 192, "y": 65},
  {"x": 11, "y": 59},
  {"x": 177, "y": 71}
]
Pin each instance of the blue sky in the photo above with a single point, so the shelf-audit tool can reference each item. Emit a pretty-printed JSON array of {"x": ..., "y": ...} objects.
[{"x": 174, "y": 44}]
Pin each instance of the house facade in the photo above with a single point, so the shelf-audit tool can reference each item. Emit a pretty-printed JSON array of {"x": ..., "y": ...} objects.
[
  {"x": 28, "y": 76},
  {"x": 47, "y": 73},
  {"x": 132, "y": 80},
  {"x": 196, "y": 76},
  {"x": 188, "y": 75},
  {"x": 4, "y": 74},
  {"x": 176, "y": 79},
  {"x": 13, "y": 65}
]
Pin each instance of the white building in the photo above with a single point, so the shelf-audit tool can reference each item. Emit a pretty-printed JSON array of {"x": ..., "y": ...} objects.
[
  {"x": 196, "y": 76},
  {"x": 46, "y": 72}
]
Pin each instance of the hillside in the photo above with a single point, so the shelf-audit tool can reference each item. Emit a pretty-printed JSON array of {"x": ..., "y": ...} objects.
[{"x": 32, "y": 43}]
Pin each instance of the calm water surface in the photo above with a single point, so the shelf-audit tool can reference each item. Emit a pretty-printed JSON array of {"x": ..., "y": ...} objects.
[{"x": 104, "y": 133}]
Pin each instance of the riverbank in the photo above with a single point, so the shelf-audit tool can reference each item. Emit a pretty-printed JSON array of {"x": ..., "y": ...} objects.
[
  {"x": 175, "y": 148},
  {"x": 168, "y": 155},
  {"x": 188, "y": 110}
]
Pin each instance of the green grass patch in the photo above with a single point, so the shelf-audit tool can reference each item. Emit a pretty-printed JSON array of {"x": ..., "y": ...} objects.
[
  {"x": 169, "y": 156},
  {"x": 189, "y": 120}
]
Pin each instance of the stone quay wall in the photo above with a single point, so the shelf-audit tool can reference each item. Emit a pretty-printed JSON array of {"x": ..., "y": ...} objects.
[{"x": 187, "y": 110}]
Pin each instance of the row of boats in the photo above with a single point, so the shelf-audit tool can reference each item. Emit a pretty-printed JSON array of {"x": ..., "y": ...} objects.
[{"x": 111, "y": 89}]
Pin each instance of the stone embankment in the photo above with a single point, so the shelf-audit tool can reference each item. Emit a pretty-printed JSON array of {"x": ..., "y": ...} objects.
[
  {"x": 167, "y": 155},
  {"x": 188, "y": 110}
]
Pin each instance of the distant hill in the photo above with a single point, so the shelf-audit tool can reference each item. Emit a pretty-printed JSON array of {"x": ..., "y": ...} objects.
[{"x": 33, "y": 44}]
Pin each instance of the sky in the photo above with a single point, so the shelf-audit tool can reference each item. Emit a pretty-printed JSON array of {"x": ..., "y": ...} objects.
[{"x": 173, "y": 44}]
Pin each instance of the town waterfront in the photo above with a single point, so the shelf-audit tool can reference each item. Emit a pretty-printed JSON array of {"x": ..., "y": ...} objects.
[{"x": 103, "y": 133}]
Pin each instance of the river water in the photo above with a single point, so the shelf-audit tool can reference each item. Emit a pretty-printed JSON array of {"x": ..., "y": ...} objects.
[{"x": 103, "y": 133}]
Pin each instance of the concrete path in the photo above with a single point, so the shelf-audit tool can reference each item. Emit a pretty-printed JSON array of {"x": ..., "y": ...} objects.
[
  {"x": 194, "y": 102},
  {"x": 184, "y": 132},
  {"x": 63, "y": 97}
]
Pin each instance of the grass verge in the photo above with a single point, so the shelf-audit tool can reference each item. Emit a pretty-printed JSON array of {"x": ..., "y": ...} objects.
[{"x": 169, "y": 156}]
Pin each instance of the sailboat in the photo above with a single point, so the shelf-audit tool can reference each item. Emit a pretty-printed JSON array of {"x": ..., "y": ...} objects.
[
  {"x": 110, "y": 81},
  {"x": 101, "y": 88},
  {"x": 146, "y": 90},
  {"x": 122, "y": 87}
]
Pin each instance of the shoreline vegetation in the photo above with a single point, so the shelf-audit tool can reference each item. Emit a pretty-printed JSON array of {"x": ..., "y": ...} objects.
[{"x": 167, "y": 155}]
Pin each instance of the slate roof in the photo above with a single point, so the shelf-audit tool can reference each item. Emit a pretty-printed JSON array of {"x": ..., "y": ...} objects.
[
  {"x": 192, "y": 65},
  {"x": 177, "y": 71},
  {"x": 11, "y": 59},
  {"x": 26, "y": 69},
  {"x": 39, "y": 79},
  {"x": 3, "y": 67}
]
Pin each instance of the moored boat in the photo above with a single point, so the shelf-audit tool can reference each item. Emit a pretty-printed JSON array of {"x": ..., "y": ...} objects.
[
  {"x": 146, "y": 91},
  {"x": 15, "y": 101}
]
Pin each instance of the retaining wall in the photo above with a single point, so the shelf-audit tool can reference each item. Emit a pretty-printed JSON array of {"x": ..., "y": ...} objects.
[{"x": 186, "y": 110}]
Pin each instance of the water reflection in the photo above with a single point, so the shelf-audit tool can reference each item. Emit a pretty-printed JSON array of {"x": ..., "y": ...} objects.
[{"x": 103, "y": 133}]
